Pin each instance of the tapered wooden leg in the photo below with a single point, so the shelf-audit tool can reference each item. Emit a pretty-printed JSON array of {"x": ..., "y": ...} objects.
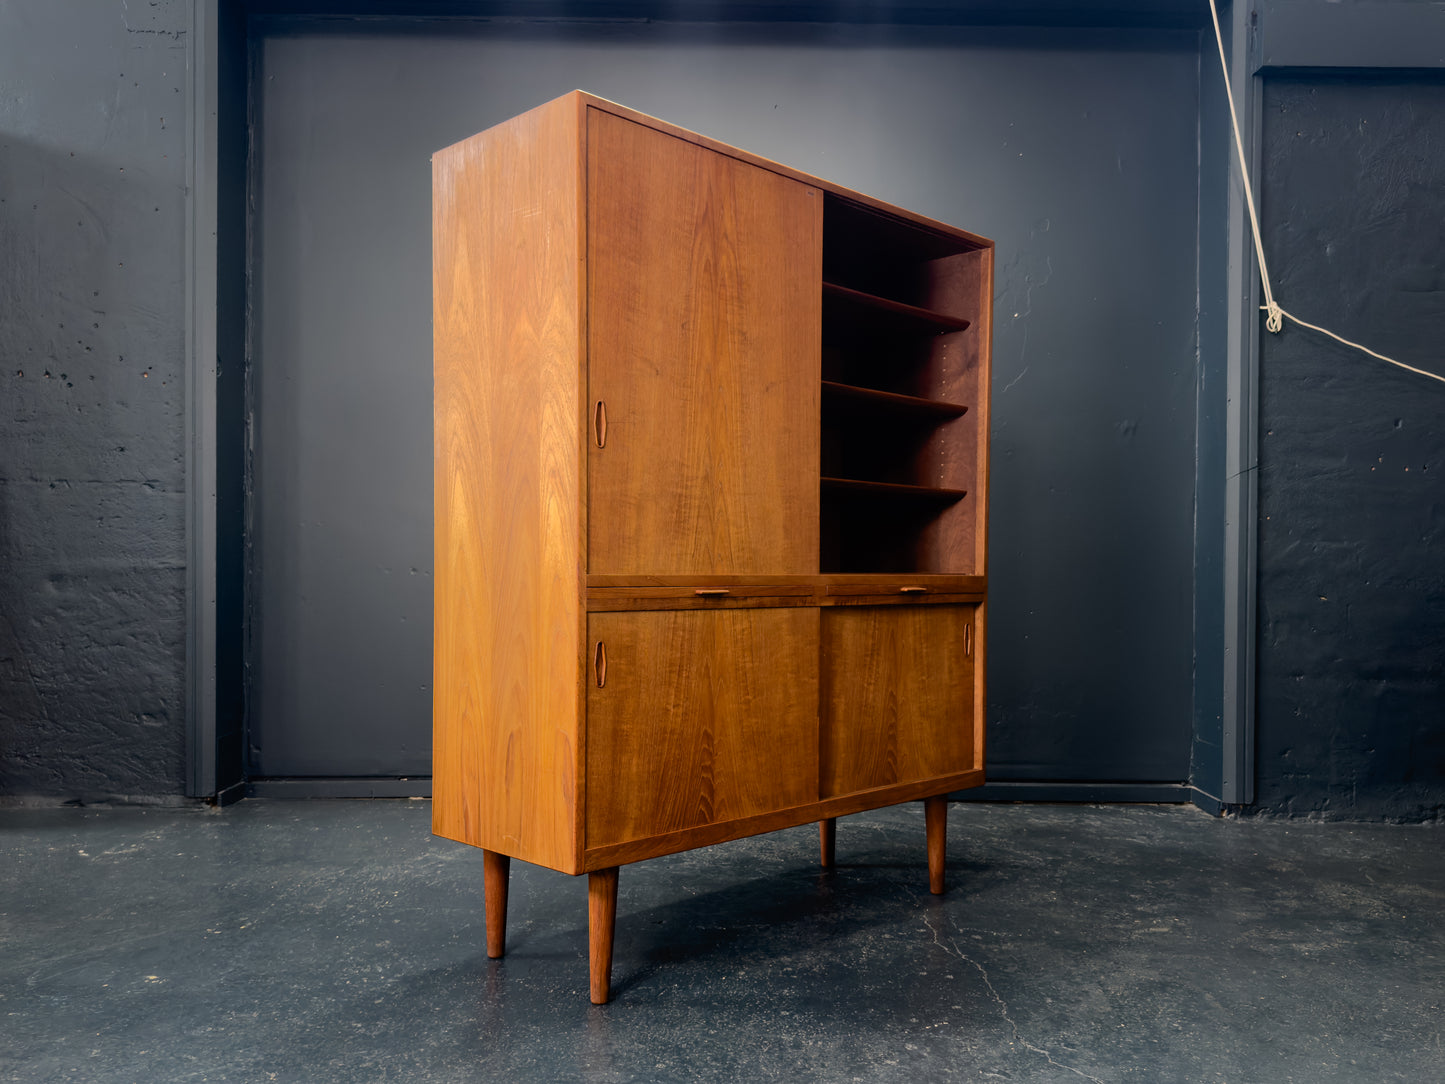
[
  {"x": 827, "y": 840},
  {"x": 601, "y": 921},
  {"x": 935, "y": 817},
  {"x": 496, "y": 872}
]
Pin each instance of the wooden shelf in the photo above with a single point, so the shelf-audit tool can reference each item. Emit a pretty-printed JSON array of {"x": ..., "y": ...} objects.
[
  {"x": 900, "y": 491},
  {"x": 859, "y": 487},
  {"x": 846, "y": 307},
  {"x": 858, "y": 237},
  {"x": 853, "y": 394}
]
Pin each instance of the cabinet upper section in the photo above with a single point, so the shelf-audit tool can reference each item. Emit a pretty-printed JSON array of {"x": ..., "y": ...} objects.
[
  {"x": 703, "y": 338},
  {"x": 660, "y": 356}
]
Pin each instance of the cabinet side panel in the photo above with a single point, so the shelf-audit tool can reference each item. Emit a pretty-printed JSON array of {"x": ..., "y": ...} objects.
[
  {"x": 897, "y": 696},
  {"x": 956, "y": 454},
  {"x": 984, "y": 363},
  {"x": 507, "y": 398},
  {"x": 704, "y": 301}
]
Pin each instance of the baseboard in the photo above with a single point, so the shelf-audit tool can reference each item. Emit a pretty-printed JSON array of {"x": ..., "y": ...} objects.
[
  {"x": 418, "y": 786},
  {"x": 1215, "y": 807},
  {"x": 1076, "y": 792},
  {"x": 230, "y": 795}
]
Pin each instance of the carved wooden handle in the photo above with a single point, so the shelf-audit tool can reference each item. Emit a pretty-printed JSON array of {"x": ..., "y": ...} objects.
[
  {"x": 912, "y": 590},
  {"x": 599, "y": 423},
  {"x": 967, "y": 640},
  {"x": 711, "y": 592},
  {"x": 599, "y": 664}
]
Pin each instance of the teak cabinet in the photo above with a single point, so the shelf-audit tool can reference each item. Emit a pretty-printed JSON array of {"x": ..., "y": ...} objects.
[{"x": 711, "y": 469}]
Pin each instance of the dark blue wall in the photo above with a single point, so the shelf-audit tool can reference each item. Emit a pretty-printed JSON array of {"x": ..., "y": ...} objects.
[
  {"x": 1077, "y": 152},
  {"x": 1351, "y": 711}
]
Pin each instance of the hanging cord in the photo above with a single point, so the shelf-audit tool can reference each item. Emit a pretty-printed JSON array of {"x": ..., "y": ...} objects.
[{"x": 1274, "y": 321}]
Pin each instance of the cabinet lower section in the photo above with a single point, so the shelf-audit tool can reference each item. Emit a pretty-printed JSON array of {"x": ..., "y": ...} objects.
[
  {"x": 723, "y": 831},
  {"x": 709, "y": 725}
]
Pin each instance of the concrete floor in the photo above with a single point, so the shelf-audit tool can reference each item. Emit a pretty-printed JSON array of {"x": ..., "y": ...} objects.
[{"x": 338, "y": 941}]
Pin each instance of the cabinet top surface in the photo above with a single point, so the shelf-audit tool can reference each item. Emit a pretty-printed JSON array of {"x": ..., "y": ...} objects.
[{"x": 583, "y": 100}]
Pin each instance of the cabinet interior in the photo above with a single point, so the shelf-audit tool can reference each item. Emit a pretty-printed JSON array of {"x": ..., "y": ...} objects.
[{"x": 903, "y": 317}]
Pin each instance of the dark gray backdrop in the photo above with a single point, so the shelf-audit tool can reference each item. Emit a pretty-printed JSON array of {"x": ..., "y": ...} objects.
[
  {"x": 1352, "y": 451},
  {"x": 94, "y": 196},
  {"x": 1077, "y": 151}
]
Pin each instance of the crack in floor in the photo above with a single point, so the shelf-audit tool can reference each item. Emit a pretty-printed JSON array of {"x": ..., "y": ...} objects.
[{"x": 952, "y": 947}]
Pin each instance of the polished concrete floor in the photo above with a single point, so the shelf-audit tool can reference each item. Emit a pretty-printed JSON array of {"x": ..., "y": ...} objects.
[{"x": 338, "y": 941}]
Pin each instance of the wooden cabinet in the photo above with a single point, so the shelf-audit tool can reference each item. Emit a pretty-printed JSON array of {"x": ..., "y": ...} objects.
[{"x": 711, "y": 468}]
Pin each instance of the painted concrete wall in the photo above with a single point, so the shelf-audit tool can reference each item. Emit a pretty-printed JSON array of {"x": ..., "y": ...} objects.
[
  {"x": 92, "y": 161},
  {"x": 1351, "y": 698},
  {"x": 1076, "y": 151},
  {"x": 91, "y": 425}
]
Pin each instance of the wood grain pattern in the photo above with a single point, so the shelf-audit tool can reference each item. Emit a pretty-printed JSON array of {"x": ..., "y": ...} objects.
[
  {"x": 935, "y": 817},
  {"x": 703, "y": 340},
  {"x": 934, "y": 271},
  {"x": 506, "y": 325},
  {"x": 601, "y": 928},
  {"x": 587, "y": 254},
  {"x": 606, "y": 605},
  {"x": 957, "y": 452},
  {"x": 884, "y": 584},
  {"x": 827, "y": 584},
  {"x": 900, "y": 490},
  {"x": 706, "y": 835},
  {"x": 641, "y": 580},
  {"x": 865, "y": 401},
  {"x": 706, "y": 717},
  {"x": 496, "y": 882},
  {"x": 923, "y": 222},
  {"x": 630, "y": 323},
  {"x": 980, "y": 682},
  {"x": 709, "y": 591},
  {"x": 897, "y": 697},
  {"x": 864, "y": 312}
]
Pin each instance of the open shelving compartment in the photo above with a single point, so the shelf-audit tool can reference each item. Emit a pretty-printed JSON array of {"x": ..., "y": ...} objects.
[{"x": 905, "y": 310}]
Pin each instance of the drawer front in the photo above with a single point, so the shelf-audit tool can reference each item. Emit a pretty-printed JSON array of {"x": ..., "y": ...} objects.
[
  {"x": 706, "y": 595},
  {"x": 878, "y": 590},
  {"x": 698, "y": 717},
  {"x": 897, "y": 696}
]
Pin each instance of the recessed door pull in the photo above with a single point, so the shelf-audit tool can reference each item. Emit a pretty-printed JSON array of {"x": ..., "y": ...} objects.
[
  {"x": 711, "y": 592},
  {"x": 599, "y": 664},
  {"x": 967, "y": 640},
  {"x": 912, "y": 590},
  {"x": 599, "y": 423}
]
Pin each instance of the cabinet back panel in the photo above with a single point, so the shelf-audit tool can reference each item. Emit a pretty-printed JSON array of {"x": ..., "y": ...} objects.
[
  {"x": 703, "y": 718},
  {"x": 888, "y": 256},
  {"x": 703, "y": 344},
  {"x": 508, "y": 503}
]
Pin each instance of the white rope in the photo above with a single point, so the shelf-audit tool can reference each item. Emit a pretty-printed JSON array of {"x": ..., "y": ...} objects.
[
  {"x": 1357, "y": 346},
  {"x": 1274, "y": 321}
]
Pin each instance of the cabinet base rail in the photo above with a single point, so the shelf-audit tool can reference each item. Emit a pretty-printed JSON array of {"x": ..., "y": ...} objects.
[{"x": 602, "y": 893}]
